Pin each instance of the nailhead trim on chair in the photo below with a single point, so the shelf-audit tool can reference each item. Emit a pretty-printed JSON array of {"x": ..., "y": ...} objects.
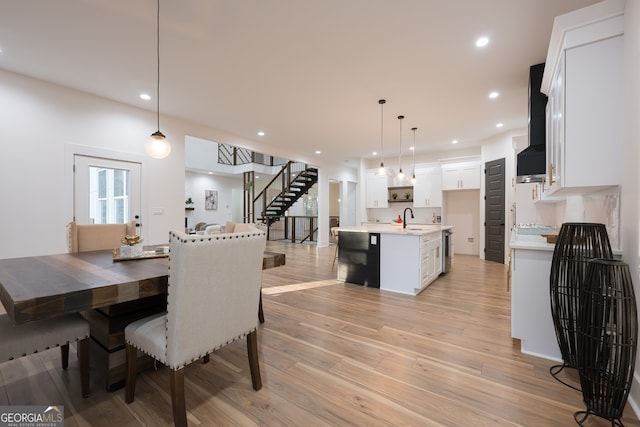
[
  {"x": 196, "y": 239},
  {"x": 47, "y": 348}
]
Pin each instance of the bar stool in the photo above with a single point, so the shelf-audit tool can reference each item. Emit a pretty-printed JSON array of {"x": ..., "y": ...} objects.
[{"x": 335, "y": 236}]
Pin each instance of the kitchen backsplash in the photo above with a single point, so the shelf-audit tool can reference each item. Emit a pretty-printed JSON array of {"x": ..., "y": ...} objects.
[
  {"x": 602, "y": 207},
  {"x": 386, "y": 215}
]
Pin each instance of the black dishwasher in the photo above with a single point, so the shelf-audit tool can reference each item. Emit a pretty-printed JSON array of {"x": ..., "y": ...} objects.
[{"x": 359, "y": 258}]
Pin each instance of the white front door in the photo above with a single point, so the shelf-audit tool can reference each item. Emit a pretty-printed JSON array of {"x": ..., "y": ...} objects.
[{"x": 106, "y": 191}]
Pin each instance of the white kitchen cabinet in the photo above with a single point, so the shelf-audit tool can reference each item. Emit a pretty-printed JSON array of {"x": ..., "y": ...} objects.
[
  {"x": 531, "y": 319},
  {"x": 461, "y": 176},
  {"x": 431, "y": 252},
  {"x": 376, "y": 191},
  {"x": 410, "y": 263},
  {"x": 583, "y": 80},
  {"x": 427, "y": 191}
]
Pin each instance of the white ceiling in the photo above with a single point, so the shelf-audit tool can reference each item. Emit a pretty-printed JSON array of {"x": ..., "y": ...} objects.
[{"x": 308, "y": 73}]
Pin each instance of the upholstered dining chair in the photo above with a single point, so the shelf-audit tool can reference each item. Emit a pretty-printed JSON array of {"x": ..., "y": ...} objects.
[
  {"x": 33, "y": 337},
  {"x": 212, "y": 300},
  {"x": 95, "y": 237}
]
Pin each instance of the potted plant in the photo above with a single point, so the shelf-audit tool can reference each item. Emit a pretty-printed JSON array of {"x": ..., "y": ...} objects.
[
  {"x": 394, "y": 196},
  {"x": 188, "y": 203},
  {"x": 407, "y": 195}
]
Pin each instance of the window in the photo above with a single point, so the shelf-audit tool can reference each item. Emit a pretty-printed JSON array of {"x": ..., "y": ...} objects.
[
  {"x": 106, "y": 191},
  {"x": 109, "y": 195}
]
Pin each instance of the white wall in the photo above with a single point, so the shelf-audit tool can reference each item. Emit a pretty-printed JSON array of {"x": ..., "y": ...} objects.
[
  {"x": 348, "y": 177},
  {"x": 463, "y": 211},
  {"x": 40, "y": 120},
  {"x": 629, "y": 225},
  {"x": 195, "y": 186}
]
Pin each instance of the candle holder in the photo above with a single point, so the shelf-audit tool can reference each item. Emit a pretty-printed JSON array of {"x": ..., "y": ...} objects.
[
  {"x": 577, "y": 244},
  {"x": 607, "y": 339}
]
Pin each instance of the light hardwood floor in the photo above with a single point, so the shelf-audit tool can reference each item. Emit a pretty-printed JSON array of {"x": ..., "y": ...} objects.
[{"x": 336, "y": 355}]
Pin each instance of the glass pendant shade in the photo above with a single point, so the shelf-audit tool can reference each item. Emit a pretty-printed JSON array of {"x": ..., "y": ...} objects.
[{"x": 157, "y": 146}]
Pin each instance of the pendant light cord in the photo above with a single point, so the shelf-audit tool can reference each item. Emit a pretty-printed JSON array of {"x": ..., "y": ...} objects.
[
  {"x": 414, "y": 151},
  {"x": 381, "y": 102},
  {"x": 400, "y": 155}
]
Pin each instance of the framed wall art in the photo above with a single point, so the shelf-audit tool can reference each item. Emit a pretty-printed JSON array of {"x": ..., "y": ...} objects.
[{"x": 211, "y": 200}]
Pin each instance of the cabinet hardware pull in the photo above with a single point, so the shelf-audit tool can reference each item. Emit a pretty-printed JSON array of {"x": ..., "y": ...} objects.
[{"x": 551, "y": 168}]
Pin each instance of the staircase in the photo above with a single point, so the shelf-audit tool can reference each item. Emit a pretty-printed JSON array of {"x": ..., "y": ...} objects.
[{"x": 291, "y": 183}]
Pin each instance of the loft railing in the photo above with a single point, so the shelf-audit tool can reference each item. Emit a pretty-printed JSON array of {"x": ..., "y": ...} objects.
[
  {"x": 230, "y": 155},
  {"x": 297, "y": 229}
]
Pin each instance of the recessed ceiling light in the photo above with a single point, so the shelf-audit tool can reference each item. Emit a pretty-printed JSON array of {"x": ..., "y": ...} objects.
[
  {"x": 455, "y": 141},
  {"x": 260, "y": 133},
  {"x": 494, "y": 95},
  {"x": 210, "y": 173},
  {"x": 412, "y": 148},
  {"x": 482, "y": 42},
  {"x": 499, "y": 125},
  {"x": 318, "y": 152},
  {"x": 145, "y": 96},
  {"x": 257, "y": 177},
  {"x": 375, "y": 153}
]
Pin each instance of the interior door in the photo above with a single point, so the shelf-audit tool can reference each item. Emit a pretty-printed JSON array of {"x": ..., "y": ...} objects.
[
  {"x": 106, "y": 191},
  {"x": 494, "y": 226}
]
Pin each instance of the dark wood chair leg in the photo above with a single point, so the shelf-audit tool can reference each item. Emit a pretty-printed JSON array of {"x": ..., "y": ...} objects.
[
  {"x": 177, "y": 398},
  {"x": 131, "y": 359},
  {"x": 254, "y": 366},
  {"x": 84, "y": 362},
  {"x": 260, "y": 312},
  {"x": 64, "y": 355}
]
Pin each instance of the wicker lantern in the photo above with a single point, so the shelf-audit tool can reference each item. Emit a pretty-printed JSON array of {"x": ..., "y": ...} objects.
[
  {"x": 577, "y": 243},
  {"x": 607, "y": 339}
]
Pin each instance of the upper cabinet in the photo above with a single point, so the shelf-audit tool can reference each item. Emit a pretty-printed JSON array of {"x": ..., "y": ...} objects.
[
  {"x": 583, "y": 80},
  {"x": 427, "y": 191},
  {"x": 377, "y": 193},
  {"x": 461, "y": 176}
]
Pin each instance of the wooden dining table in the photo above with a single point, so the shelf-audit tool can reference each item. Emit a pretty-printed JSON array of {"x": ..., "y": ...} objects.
[{"x": 110, "y": 295}]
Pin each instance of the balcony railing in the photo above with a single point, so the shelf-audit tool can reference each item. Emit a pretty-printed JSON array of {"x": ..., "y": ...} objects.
[{"x": 297, "y": 229}]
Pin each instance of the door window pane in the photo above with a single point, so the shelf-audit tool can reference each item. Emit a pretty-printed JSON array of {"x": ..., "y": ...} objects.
[{"x": 109, "y": 195}]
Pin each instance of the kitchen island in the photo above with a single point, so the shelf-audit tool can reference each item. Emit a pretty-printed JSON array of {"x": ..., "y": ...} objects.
[{"x": 393, "y": 258}]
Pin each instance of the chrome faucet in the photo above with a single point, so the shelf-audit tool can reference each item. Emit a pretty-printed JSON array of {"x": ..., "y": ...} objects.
[{"x": 404, "y": 216}]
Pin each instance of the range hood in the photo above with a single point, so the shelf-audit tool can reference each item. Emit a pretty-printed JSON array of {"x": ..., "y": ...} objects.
[{"x": 531, "y": 162}]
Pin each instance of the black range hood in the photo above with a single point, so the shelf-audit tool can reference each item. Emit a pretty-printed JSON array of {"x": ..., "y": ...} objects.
[{"x": 531, "y": 162}]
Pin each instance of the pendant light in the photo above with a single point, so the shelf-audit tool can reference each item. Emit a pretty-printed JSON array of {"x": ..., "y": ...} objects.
[
  {"x": 157, "y": 146},
  {"x": 382, "y": 170},
  {"x": 400, "y": 179},
  {"x": 413, "y": 174}
]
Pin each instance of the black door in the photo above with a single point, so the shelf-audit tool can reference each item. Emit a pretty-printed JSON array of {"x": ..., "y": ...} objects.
[{"x": 494, "y": 211}]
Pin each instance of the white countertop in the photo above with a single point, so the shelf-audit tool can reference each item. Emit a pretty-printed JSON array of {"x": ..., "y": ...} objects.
[
  {"x": 531, "y": 241},
  {"x": 411, "y": 230},
  {"x": 538, "y": 243}
]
